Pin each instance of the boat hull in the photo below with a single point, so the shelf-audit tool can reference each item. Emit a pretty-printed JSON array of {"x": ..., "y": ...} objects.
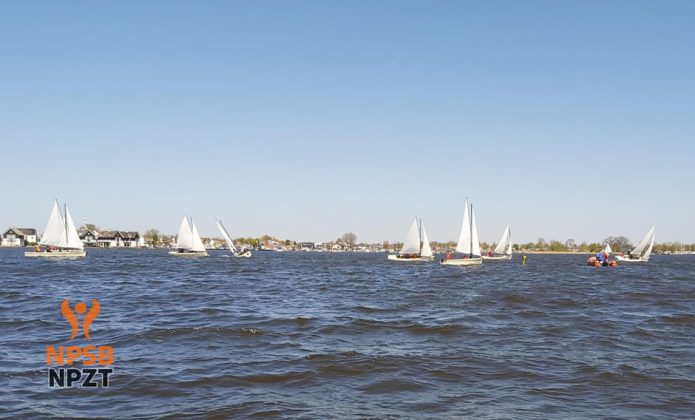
[
  {"x": 628, "y": 259},
  {"x": 597, "y": 263},
  {"x": 246, "y": 254},
  {"x": 462, "y": 261},
  {"x": 394, "y": 257},
  {"x": 189, "y": 254},
  {"x": 57, "y": 254},
  {"x": 497, "y": 258}
]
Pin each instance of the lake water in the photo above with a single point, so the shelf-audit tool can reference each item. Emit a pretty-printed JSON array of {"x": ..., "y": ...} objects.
[{"x": 318, "y": 335}]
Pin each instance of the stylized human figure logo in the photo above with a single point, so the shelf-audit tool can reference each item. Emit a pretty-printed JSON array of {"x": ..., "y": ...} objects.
[{"x": 80, "y": 308}]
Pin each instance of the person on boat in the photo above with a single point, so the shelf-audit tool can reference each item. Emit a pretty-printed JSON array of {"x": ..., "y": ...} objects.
[
  {"x": 490, "y": 253},
  {"x": 37, "y": 248}
]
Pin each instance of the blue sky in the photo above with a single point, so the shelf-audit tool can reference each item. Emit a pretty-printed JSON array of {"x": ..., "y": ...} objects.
[{"x": 308, "y": 119}]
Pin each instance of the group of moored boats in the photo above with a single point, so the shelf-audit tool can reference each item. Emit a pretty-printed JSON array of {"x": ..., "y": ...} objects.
[
  {"x": 61, "y": 239},
  {"x": 417, "y": 247}
]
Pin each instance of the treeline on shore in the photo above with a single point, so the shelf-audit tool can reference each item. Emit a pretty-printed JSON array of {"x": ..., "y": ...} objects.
[{"x": 349, "y": 240}]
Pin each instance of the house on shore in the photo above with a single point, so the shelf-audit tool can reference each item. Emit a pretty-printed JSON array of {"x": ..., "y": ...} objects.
[
  {"x": 89, "y": 237},
  {"x": 18, "y": 237},
  {"x": 307, "y": 246},
  {"x": 112, "y": 239}
]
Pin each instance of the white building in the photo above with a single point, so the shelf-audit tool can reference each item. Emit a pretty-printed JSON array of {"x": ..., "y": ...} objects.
[
  {"x": 112, "y": 239},
  {"x": 18, "y": 237}
]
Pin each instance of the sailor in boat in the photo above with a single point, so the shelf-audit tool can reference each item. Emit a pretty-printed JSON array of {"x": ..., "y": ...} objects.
[{"x": 600, "y": 257}]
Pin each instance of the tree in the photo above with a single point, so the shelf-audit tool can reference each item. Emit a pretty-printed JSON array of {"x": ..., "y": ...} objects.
[
  {"x": 557, "y": 246},
  {"x": 350, "y": 239},
  {"x": 152, "y": 236},
  {"x": 90, "y": 226},
  {"x": 618, "y": 243}
]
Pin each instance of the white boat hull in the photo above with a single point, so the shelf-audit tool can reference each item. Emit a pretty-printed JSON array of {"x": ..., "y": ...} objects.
[
  {"x": 189, "y": 253},
  {"x": 628, "y": 259},
  {"x": 246, "y": 254},
  {"x": 394, "y": 257},
  {"x": 497, "y": 257},
  {"x": 57, "y": 254},
  {"x": 462, "y": 261}
]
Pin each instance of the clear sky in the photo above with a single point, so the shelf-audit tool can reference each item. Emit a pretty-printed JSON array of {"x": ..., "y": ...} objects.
[{"x": 308, "y": 119}]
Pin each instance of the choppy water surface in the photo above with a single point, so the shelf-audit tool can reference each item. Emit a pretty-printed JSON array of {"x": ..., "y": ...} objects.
[{"x": 347, "y": 335}]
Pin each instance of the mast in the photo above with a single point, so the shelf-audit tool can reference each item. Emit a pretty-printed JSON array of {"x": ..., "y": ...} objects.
[
  {"x": 419, "y": 229},
  {"x": 65, "y": 221},
  {"x": 470, "y": 252}
]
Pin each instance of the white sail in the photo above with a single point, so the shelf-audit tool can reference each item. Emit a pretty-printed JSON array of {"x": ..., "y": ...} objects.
[
  {"x": 475, "y": 244},
  {"x": 644, "y": 248},
  {"x": 54, "y": 232},
  {"x": 504, "y": 245},
  {"x": 225, "y": 235},
  {"x": 607, "y": 249},
  {"x": 73, "y": 238},
  {"x": 412, "y": 240},
  {"x": 184, "y": 240},
  {"x": 197, "y": 245},
  {"x": 426, "y": 250},
  {"x": 464, "y": 243}
]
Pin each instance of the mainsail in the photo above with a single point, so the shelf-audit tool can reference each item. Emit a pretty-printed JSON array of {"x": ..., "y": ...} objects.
[
  {"x": 607, "y": 249},
  {"x": 73, "y": 238},
  {"x": 464, "y": 244},
  {"x": 197, "y": 245},
  {"x": 504, "y": 245},
  {"x": 411, "y": 245},
  {"x": 644, "y": 248},
  {"x": 184, "y": 240},
  {"x": 225, "y": 235},
  {"x": 426, "y": 250},
  {"x": 54, "y": 232},
  {"x": 468, "y": 239},
  {"x": 475, "y": 243}
]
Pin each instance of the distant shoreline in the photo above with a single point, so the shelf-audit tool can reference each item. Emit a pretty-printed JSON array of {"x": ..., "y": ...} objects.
[{"x": 555, "y": 252}]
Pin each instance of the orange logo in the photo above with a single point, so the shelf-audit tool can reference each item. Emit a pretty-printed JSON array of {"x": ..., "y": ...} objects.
[
  {"x": 80, "y": 308},
  {"x": 61, "y": 376}
]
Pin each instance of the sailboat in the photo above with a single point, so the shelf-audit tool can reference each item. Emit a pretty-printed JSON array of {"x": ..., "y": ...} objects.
[
  {"x": 503, "y": 250},
  {"x": 607, "y": 249},
  {"x": 468, "y": 241},
  {"x": 643, "y": 249},
  {"x": 416, "y": 246},
  {"x": 230, "y": 244},
  {"x": 188, "y": 242},
  {"x": 60, "y": 237}
]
